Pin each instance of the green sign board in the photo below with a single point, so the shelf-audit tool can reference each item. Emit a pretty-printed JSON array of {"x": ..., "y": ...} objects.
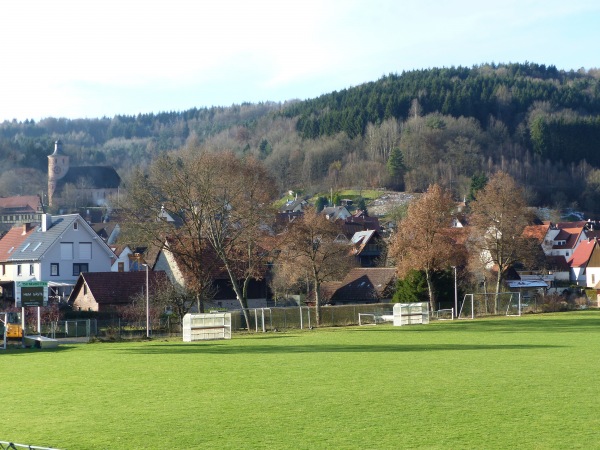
[{"x": 32, "y": 293}]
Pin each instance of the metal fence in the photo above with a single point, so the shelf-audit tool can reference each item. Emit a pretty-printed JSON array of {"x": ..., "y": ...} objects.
[
  {"x": 282, "y": 318},
  {"x": 259, "y": 320},
  {"x": 71, "y": 329}
]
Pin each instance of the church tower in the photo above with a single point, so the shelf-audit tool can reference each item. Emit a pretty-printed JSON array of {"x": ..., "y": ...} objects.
[{"x": 58, "y": 166}]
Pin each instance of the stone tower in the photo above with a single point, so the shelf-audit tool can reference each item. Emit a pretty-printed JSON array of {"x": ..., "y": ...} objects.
[{"x": 58, "y": 166}]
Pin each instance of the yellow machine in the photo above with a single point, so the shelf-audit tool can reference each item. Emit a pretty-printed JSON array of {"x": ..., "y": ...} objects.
[{"x": 14, "y": 329}]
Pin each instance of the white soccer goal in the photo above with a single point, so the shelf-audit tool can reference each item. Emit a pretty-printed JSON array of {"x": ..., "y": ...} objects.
[
  {"x": 443, "y": 314},
  {"x": 490, "y": 304}
]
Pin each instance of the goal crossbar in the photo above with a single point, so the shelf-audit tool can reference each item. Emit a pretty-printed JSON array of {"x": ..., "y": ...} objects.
[{"x": 512, "y": 307}]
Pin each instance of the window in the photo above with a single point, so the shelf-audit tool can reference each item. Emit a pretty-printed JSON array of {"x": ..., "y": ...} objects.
[
  {"x": 75, "y": 226},
  {"x": 66, "y": 251},
  {"x": 31, "y": 269},
  {"x": 79, "y": 268},
  {"x": 85, "y": 250},
  {"x": 54, "y": 271},
  {"x": 19, "y": 270},
  {"x": 121, "y": 266},
  {"x": 84, "y": 289}
]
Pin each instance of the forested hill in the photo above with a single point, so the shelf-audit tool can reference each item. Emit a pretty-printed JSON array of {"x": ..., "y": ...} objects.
[
  {"x": 505, "y": 92},
  {"x": 447, "y": 125}
]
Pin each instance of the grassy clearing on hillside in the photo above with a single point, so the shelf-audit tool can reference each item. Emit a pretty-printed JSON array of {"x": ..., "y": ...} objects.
[
  {"x": 525, "y": 382},
  {"x": 367, "y": 194}
]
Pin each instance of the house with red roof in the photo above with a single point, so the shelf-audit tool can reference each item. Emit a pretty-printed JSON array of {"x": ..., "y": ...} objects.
[
  {"x": 579, "y": 262},
  {"x": 106, "y": 291},
  {"x": 20, "y": 209},
  {"x": 57, "y": 250}
]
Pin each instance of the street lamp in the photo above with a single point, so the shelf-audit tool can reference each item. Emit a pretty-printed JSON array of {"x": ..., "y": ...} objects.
[
  {"x": 455, "y": 295},
  {"x": 147, "y": 304}
]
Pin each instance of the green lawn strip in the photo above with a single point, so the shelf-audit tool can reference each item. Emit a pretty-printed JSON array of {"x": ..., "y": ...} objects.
[{"x": 523, "y": 382}]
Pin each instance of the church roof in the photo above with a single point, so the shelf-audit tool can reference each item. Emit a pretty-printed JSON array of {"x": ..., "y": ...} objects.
[{"x": 97, "y": 177}]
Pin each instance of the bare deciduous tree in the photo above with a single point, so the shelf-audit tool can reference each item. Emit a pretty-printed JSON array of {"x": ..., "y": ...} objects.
[
  {"x": 219, "y": 203},
  {"x": 310, "y": 249},
  {"x": 499, "y": 215}
]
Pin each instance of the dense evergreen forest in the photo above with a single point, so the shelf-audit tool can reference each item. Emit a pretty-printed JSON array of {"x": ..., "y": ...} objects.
[{"x": 403, "y": 131}]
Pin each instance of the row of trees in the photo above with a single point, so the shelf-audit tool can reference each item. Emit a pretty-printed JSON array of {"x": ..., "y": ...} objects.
[{"x": 211, "y": 210}]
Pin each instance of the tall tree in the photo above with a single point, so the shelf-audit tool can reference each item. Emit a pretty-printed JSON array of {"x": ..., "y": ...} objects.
[
  {"x": 423, "y": 241},
  {"x": 218, "y": 203},
  {"x": 309, "y": 248},
  {"x": 396, "y": 167},
  {"x": 499, "y": 215}
]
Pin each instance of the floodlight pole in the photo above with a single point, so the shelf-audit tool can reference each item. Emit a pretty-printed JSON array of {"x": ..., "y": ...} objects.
[{"x": 147, "y": 304}]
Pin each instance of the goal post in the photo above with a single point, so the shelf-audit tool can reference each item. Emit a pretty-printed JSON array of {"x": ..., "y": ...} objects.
[
  {"x": 3, "y": 328},
  {"x": 490, "y": 304}
]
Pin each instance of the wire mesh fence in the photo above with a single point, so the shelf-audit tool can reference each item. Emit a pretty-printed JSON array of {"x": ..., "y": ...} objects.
[{"x": 275, "y": 318}]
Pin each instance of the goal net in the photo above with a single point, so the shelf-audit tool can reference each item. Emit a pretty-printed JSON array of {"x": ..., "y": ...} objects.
[{"x": 490, "y": 304}]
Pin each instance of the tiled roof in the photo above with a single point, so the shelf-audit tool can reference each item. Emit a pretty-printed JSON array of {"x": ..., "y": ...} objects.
[
  {"x": 364, "y": 285},
  {"x": 119, "y": 287},
  {"x": 21, "y": 203},
  {"x": 570, "y": 236},
  {"x": 13, "y": 240},
  {"x": 537, "y": 232},
  {"x": 557, "y": 263},
  {"x": 582, "y": 254}
]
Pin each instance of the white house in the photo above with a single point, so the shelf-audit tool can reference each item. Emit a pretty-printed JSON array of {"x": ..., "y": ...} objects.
[{"x": 56, "y": 251}]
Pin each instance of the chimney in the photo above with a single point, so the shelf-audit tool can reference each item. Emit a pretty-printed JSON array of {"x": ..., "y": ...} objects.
[
  {"x": 46, "y": 222},
  {"x": 26, "y": 228}
]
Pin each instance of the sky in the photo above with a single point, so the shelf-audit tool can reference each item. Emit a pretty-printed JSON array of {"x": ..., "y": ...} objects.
[{"x": 88, "y": 59}]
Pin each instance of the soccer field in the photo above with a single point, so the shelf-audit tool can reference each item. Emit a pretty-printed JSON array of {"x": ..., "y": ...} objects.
[{"x": 524, "y": 382}]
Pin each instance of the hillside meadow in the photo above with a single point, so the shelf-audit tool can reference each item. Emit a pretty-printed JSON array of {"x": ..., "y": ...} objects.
[{"x": 519, "y": 382}]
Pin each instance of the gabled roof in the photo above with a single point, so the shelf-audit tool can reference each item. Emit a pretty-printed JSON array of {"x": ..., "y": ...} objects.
[
  {"x": 582, "y": 254},
  {"x": 557, "y": 263},
  {"x": 291, "y": 205},
  {"x": 569, "y": 235},
  {"x": 98, "y": 177},
  {"x": 38, "y": 242},
  {"x": 334, "y": 213},
  {"x": 13, "y": 240},
  {"x": 361, "y": 239},
  {"x": 537, "y": 232},
  {"x": 118, "y": 287},
  {"x": 363, "y": 284}
]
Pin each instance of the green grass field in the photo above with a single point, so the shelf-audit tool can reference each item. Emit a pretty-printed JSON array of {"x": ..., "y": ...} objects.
[{"x": 527, "y": 382}]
